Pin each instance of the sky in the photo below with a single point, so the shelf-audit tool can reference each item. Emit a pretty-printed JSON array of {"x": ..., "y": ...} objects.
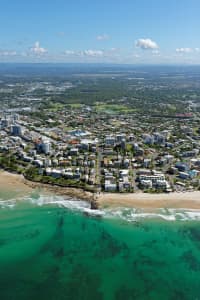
[{"x": 100, "y": 31}]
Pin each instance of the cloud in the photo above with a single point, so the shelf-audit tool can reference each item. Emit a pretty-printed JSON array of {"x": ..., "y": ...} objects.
[
  {"x": 93, "y": 53},
  {"x": 89, "y": 53},
  {"x": 156, "y": 53},
  {"x": 113, "y": 49},
  {"x": 37, "y": 50},
  {"x": 70, "y": 52},
  {"x": 146, "y": 44},
  {"x": 103, "y": 37},
  {"x": 136, "y": 55},
  {"x": 184, "y": 50},
  {"x": 7, "y": 53}
]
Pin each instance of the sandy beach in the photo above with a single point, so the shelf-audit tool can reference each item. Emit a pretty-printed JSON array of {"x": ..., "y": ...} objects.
[
  {"x": 18, "y": 187},
  {"x": 151, "y": 201},
  {"x": 13, "y": 185}
]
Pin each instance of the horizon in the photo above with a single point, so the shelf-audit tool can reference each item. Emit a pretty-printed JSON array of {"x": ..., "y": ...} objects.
[
  {"x": 135, "y": 32},
  {"x": 101, "y": 64}
]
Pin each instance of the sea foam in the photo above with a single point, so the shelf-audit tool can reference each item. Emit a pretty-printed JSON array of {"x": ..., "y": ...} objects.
[{"x": 125, "y": 214}]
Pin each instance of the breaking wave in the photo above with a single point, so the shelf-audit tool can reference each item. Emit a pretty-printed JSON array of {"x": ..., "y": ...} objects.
[
  {"x": 134, "y": 215},
  {"x": 7, "y": 203},
  {"x": 125, "y": 214}
]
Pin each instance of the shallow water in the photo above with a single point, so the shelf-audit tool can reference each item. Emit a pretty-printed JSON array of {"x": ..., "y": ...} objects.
[{"x": 49, "y": 251}]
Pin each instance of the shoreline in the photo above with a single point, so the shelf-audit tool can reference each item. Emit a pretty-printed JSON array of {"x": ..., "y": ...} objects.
[
  {"x": 59, "y": 190},
  {"x": 18, "y": 184},
  {"x": 8, "y": 179},
  {"x": 174, "y": 200}
]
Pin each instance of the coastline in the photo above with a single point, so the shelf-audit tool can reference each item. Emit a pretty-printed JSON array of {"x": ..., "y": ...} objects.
[
  {"x": 188, "y": 200},
  {"x": 63, "y": 191},
  {"x": 12, "y": 185},
  {"x": 20, "y": 186}
]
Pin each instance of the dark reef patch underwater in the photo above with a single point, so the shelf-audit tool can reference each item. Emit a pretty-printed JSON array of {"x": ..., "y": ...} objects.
[{"x": 54, "y": 253}]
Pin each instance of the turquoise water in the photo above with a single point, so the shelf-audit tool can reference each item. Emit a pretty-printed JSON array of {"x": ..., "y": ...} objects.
[{"x": 51, "y": 252}]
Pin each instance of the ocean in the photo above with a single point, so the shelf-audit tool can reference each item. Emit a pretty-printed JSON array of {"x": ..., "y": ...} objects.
[{"x": 52, "y": 248}]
